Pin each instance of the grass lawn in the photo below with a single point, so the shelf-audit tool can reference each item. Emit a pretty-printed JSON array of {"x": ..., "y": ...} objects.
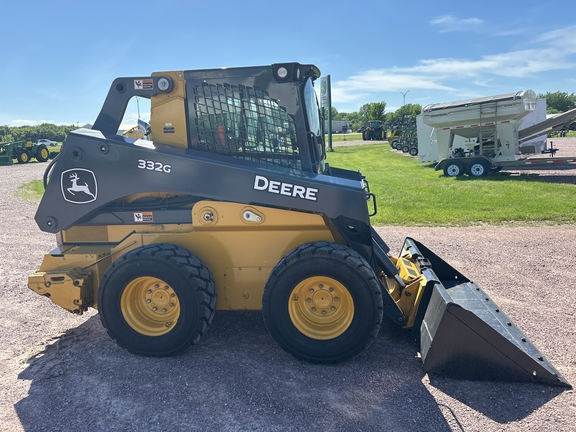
[{"x": 410, "y": 193}]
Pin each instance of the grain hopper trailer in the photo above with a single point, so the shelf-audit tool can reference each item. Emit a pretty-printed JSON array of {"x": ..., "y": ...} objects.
[
  {"x": 490, "y": 127},
  {"x": 230, "y": 205}
]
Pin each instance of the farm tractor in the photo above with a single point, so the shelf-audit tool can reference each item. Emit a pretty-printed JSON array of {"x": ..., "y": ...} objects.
[{"x": 23, "y": 152}]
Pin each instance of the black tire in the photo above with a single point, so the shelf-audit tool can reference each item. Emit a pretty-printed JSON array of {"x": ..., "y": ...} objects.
[
  {"x": 42, "y": 153},
  {"x": 157, "y": 276},
  {"x": 453, "y": 169},
  {"x": 395, "y": 144},
  {"x": 405, "y": 148},
  {"x": 23, "y": 157},
  {"x": 413, "y": 151},
  {"x": 341, "y": 317},
  {"x": 478, "y": 169}
]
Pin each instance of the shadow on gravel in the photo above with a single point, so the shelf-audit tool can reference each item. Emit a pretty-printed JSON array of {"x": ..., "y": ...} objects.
[
  {"x": 236, "y": 378},
  {"x": 500, "y": 401}
]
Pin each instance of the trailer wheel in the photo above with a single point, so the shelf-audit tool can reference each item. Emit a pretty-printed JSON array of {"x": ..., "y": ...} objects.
[
  {"x": 395, "y": 144},
  {"x": 405, "y": 148},
  {"x": 42, "y": 153},
  {"x": 478, "y": 169},
  {"x": 323, "y": 303},
  {"x": 413, "y": 151},
  {"x": 453, "y": 169},
  {"x": 23, "y": 157},
  {"x": 157, "y": 300}
]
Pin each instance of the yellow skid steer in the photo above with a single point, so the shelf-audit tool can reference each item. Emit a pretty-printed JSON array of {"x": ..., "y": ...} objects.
[{"x": 230, "y": 205}]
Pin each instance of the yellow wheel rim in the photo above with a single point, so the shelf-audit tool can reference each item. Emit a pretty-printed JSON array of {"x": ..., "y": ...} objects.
[
  {"x": 24, "y": 157},
  {"x": 44, "y": 153},
  {"x": 321, "y": 308},
  {"x": 150, "y": 306}
]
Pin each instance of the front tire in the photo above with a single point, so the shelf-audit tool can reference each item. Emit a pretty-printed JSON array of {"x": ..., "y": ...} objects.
[
  {"x": 42, "y": 153},
  {"x": 157, "y": 300},
  {"x": 323, "y": 303}
]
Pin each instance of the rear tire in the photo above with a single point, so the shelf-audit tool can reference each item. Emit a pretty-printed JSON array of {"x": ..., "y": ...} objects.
[
  {"x": 157, "y": 300},
  {"x": 23, "y": 157},
  {"x": 323, "y": 303},
  {"x": 453, "y": 169},
  {"x": 478, "y": 169},
  {"x": 413, "y": 151}
]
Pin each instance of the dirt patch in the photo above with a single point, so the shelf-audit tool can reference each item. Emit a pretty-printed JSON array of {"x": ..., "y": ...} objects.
[{"x": 62, "y": 372}]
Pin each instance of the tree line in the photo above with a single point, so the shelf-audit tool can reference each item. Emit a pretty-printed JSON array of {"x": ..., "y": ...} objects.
[
  {"x": 556, "y": 102},
  {"x": 375, "y": 111},
  {"x": 34, "y": 133}
]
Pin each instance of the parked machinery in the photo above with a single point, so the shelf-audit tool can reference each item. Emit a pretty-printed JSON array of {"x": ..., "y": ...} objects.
[
  {"x": 230, "y": 206},
  {"x": 374, "y": 131},
  {"x": 489, "y": 133},
  {"x": 23, "y": 152}
]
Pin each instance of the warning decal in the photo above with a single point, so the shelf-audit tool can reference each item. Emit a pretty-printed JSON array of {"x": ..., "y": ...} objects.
[
  {"x": 144, "y": 217},
  {"x": 144, "y": 84}
]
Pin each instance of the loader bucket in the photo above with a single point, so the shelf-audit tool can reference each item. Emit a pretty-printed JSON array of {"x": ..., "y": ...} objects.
[{"x": 463, "y": 334}]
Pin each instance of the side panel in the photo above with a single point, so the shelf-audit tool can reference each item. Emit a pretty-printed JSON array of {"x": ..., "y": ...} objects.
[{"x": 92, "y": 172}]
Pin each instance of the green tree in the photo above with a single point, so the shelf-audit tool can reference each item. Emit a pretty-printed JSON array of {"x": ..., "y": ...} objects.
[
  {"x": 408, "y": 110},
  {"x": 372, "y": 111},
  {"x": 377, "y": 111},
  {"x": 558, "y": 102}
]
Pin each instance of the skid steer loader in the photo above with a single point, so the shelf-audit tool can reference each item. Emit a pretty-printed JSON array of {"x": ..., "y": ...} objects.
[{"x": 230, "y": 205}]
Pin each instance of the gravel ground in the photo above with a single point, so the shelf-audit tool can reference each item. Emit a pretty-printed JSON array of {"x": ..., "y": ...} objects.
[{"x": 62, "y": 372}]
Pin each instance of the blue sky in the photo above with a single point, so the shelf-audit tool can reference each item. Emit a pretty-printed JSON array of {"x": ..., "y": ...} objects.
[{"x": 60, "y": 57}]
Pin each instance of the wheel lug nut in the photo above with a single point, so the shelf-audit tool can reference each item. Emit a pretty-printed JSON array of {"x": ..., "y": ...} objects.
[
  {"x": 333, "y": 308},
  {"x": 313, "y": 309},
  {"x": 335, "y": 298},
  {"x": 321, "y": 286},
  {"x": 154, "y": 308},
  {"x": 156, "y": 286},
  {"x": 172, "y": 295},
  {"x": 308, "y": 300},
  {"x": 330, "y": 289},
  {"x": 323, "y": 312},
  {"x": 171, "y": 304},
  {"x": 166, "y": 287},
  {"x": 149, "y": 291},
  {"x": 148, "y": 301},
  {"x": 164, "y": 310},
  {"x": 311, "y": 290}
]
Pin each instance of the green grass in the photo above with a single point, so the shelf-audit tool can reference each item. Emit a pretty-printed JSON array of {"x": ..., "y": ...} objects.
[
  {"x": 31, "y": 191},
  {"x": 410, "y": 193},
  {"x": 344, "y": 137}
]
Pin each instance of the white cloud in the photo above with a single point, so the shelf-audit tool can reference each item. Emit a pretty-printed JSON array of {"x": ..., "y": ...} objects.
[
  {"x": 20, "y": 122},
  {"x": 552, "y": 51},
  {"x": 450, "y": 23}
]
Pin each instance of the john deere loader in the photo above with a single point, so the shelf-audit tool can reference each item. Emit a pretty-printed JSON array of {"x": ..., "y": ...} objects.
[{"x": 230, "y": 205}]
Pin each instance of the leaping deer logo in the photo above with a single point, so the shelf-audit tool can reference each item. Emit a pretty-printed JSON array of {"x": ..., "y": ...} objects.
[{"x": 79, "y": 188}]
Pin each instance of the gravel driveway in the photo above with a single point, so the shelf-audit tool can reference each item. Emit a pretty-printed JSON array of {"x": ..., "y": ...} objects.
[{"x": 62, "y": 372}]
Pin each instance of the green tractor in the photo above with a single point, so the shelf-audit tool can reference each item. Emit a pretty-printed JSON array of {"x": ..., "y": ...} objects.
[
  {"x": 23, "y": 152},
  {"x": 374, "y": 131}
]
